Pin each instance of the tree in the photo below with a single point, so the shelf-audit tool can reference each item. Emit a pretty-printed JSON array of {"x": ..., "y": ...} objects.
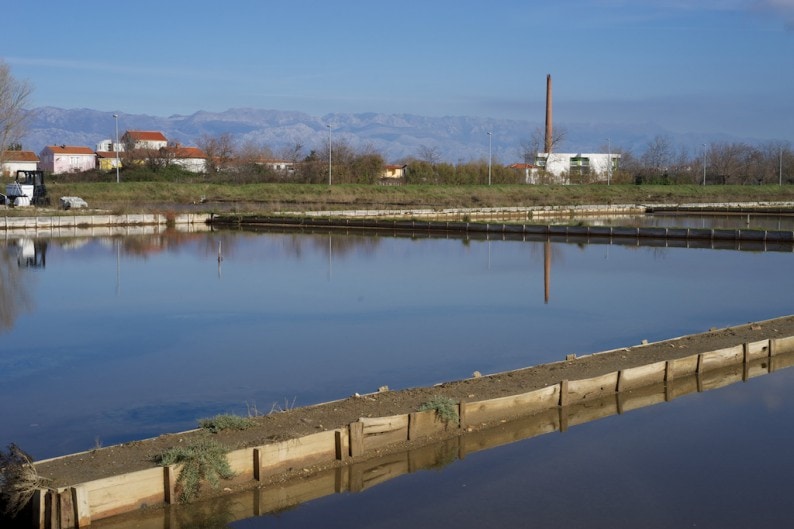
[
  {"x": 14, "y": 95},
  {"x": 219, "y": 151}
]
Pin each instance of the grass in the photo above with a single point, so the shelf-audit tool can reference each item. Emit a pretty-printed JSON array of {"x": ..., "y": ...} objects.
[
  {"x": 223, "y": 422},
  {"x": 202, "y": 460},
  {"x": 445, "y": 407},
  {"x": 129, "y": 196}
]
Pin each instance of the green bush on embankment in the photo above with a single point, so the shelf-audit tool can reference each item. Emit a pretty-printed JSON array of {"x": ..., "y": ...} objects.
[{"x": 202, "y": 460}]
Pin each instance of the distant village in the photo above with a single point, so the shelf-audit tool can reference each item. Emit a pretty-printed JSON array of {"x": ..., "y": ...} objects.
[{"x": 137, "y": 147}]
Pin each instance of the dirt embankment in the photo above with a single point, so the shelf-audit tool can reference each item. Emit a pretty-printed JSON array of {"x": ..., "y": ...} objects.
[{"x": 298, "y": 422}]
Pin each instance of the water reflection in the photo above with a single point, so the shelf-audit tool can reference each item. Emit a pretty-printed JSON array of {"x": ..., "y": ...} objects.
[
  {"x": 139, "y": 335},
  {"x": 489, "y": 476}
]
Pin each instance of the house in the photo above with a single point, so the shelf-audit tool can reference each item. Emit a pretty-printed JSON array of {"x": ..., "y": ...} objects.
[
  {"x": 191, "y": 159},
  {"x": 57, "y": 159},
  {"x": 13, "y": 161},
  {"x": 395, "y": 171},
  {"x": 567, "y": 168},
  {"x": 528, "y": 169},
  {"x": 144, "y": 139},
  {"x": 107, "y": 160}
]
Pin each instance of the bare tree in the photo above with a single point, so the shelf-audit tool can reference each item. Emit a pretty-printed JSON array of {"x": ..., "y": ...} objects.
[
  {"x": 13, "y": 116},
  {"x": 219, "y": 151}
]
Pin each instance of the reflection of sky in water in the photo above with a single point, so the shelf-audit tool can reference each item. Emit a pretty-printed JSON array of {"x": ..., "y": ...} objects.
[
  {"x": 120, "y": 349},
  {"x": 716, "y": 459}
]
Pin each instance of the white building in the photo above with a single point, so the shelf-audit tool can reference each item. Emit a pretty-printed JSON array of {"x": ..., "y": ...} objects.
[{"x": 573, "y": 168}]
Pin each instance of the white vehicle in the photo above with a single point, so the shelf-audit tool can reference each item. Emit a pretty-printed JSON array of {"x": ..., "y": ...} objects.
[{"x": 27, "y": 189}]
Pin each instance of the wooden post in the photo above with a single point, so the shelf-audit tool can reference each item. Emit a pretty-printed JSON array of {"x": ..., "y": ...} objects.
[
  {"x": 170, "y": 475},
  {"x": 618, "y": 385},
  {"x": 258, "y": 464},
  {"x": 82, "y": 510},
  {"x": 463, "y": 422},
  {"x": 339, "y": 445},
  {"x": 52, "y": 506},
  {"x": 66, "y": 509},
  {"x": 745, "y": 361},
  {"x": 39, "y": 509},
  {"x": 564, "y": 393},
  {"x": 563, "y": 411},
  {"x": 356, "y": 439}
]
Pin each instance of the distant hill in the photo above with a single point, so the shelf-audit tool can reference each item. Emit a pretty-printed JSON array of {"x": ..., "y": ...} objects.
[{"x": 396, "y": 136}]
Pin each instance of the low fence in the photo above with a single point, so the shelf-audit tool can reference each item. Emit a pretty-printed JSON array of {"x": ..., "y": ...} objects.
[{"x": 556, "y": 407}]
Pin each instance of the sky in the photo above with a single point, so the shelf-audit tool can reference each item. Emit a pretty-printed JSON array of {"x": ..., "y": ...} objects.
[{"x": 691, "y": 66}]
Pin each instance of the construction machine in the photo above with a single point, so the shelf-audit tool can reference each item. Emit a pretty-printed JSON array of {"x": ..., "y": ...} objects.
[{"x": 27, "y": 189}]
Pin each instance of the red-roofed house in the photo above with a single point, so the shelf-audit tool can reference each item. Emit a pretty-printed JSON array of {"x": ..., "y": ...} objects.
[
  {"x": 395, "y": 171},
  {"x": 58, "y": 159},
  {"x": 13, "y": 161},
  {"x": 144, "y": 139},
  {"x": 191, "y": 159}
]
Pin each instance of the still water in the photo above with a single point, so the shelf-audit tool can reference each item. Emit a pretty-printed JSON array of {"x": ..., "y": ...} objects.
[{"x": 112, "y": 339}]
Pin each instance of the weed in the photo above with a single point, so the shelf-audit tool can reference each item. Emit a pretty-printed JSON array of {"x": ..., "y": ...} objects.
[
  {"x": 277, "y": 408},
  {"x": 18, "y": 480},
  {"x": 203, "y": 460},
  {"x": 445, "y": 407},
  {"x": 226, "y": 422}
]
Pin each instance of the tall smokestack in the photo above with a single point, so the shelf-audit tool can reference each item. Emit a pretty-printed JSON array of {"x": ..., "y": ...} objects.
[{"x": 547, "y": 142}]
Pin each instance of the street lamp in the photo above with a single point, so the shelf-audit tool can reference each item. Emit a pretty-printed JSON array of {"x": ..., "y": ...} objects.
[
  {"x": 329, "y": 154},
  {"x": 609, "y": 160},
  {"x": 704, "y": 164},
  {"x": 490, "y": 137},
  {"x": 116, "y": 146}
]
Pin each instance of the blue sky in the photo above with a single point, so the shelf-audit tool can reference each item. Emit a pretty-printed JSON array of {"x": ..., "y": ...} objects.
[{"x": 706, "y": 66}]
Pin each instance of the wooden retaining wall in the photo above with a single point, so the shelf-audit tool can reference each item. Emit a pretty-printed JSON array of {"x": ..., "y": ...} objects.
[
  {"x": 717, "y": 238},
  {"x": 81, "y": 221},
  {"x": 553, "y": 408}
]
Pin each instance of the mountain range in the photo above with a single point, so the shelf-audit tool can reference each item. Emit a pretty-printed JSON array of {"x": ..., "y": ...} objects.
[{"x": 395, "y": 136}]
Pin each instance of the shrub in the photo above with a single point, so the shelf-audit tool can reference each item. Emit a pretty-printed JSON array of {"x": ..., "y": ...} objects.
[
  {"x": 445, "y": 407},
  {"x": 203, "y": 460},
  {"x": 18, "y": 480},
  {"x": 226, "y": 422}
]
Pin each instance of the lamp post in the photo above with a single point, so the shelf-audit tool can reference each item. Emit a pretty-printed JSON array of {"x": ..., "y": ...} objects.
[
  {"x": 609, "y": 160},
  {"x": 116, "y": 146},
  {"x": 780, "y": 168},
  {"x": 490, "y": 157},
  {"x": 329, "y": 154},
  {"x": 704, "y": 164}
]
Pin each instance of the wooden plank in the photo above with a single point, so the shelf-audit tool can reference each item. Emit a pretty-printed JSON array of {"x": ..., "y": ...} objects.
[
  {"x": 382, "y": 431},
  {"x": 523, "y": 428},
  {"x": 681, "y": 367},
  {"x": 485, "y": 411},
  {"x": 783, "y": 345},
  {"x": 646, "y": 375},
  {"x": 592, "y": 388},
  {"x": 729, "y": 356},
  {"x": 342, "y": 444},
  {"x": 81, "y": 508},
  {"x": 39, "y": 506},
  {"x": 295, "y": 453},
  {"x": 356, "y": 439},
  {"x": 241, "y": 462},
  {"x": 126, "y": 492},
  {"x": 425, "y": 423},
  {"x": 759, "y": 349},
  {"x": 52, "y": 507}
]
